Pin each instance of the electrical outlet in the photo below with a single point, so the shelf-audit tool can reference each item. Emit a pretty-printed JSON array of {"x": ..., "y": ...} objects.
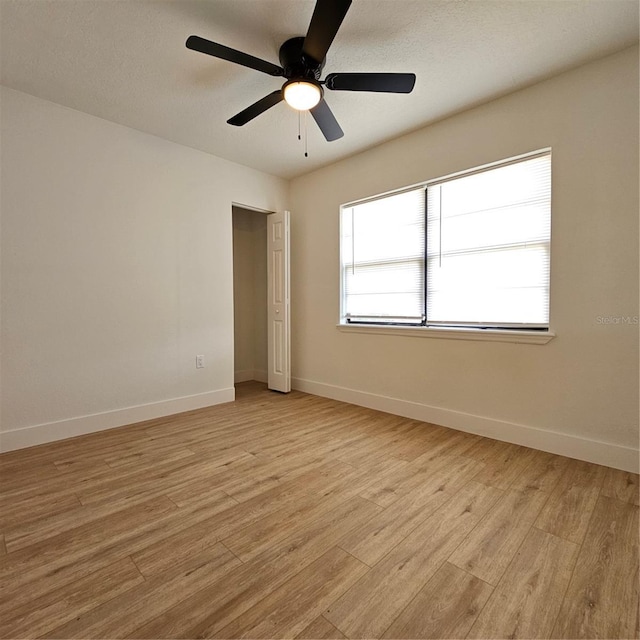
[{"x": 199, "y": 362}]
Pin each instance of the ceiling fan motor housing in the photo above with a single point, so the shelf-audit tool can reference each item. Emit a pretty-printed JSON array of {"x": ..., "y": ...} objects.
[{"x": 295, "y": 63}]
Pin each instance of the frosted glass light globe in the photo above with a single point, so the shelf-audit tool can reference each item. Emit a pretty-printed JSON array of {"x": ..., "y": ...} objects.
[{"x": 302, "y": 95}]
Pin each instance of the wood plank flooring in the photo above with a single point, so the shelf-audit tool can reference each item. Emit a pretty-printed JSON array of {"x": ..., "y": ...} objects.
[{"x": 293, "y": 516}]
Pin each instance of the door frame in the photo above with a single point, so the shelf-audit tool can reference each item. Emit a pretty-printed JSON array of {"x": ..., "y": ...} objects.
[{"x": 282, "y": 383}]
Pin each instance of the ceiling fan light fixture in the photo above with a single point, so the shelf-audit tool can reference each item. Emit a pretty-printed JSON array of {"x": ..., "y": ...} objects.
[
  {"x": 302, "y": 94},
  {"x": 302, "y": 59}
]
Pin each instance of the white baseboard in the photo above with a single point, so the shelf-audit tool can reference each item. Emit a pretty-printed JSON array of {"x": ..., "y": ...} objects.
[
  {"x": 260, "y": 376},
  {"x": 247, "y": 375},
  {"x": 604, "y": 453},
  {"x": 59, "y": 430}
]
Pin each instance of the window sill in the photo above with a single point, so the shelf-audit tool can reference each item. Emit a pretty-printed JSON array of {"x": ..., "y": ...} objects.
[{"x": 451, "y": 333}]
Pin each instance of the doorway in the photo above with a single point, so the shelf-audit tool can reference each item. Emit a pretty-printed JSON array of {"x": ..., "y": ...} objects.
[{"x": 250, "y": 322}]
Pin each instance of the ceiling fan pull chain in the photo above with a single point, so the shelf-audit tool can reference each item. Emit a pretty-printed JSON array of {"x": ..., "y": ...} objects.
[
  {"x": 299, "y": 116},
  {"x": 306, "y": 154}
]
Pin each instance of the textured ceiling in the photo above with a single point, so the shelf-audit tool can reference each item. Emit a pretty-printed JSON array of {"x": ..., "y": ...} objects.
[{"x": 125, "y": 61}]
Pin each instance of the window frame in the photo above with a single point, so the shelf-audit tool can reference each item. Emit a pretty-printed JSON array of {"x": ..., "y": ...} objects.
[{"x": 459, "y": 331}]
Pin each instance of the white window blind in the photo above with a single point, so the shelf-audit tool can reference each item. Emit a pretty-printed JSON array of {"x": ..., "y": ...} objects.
[
  {"x": 488, "y": 237},
  {"x": 474, "y": 253},
  {"x": 383, "y": 253}
]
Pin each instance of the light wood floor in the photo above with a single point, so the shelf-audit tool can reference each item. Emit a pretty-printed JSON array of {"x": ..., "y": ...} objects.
[{"x": 297, "y": 516}]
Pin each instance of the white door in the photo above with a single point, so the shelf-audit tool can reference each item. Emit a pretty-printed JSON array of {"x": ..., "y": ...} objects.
[{"x": 279, "y": 377}]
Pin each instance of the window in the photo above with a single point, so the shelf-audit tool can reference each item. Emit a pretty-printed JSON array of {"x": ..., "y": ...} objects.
[{"x": 470, "y": 250}]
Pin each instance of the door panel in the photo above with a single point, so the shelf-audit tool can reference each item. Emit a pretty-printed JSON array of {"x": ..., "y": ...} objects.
[{"x": 279, "y": 376}]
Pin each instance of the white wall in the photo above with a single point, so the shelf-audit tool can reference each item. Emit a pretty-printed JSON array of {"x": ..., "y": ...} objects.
[
  {"x": 116, "y": 272},
  {"x": 577, "y": 395},
  {"x": 250, "y": 294}
]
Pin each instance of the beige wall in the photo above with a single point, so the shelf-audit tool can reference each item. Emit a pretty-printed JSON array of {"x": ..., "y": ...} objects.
[
  {"x": 571, "y": 395},
  {"x": 117, "y": 271},
  {"x": 250, "y": 294}
]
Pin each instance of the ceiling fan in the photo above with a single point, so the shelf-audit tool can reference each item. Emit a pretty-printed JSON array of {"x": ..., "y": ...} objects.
[{"x": 302, "y": 60}]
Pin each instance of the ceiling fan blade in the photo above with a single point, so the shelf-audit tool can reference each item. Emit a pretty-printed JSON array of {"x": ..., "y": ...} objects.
[
  {"x": 256, "y": 109},
  {"x": 326, "y": 121},
  {"x": 232, "y": 55},
  {"x": 381, "y": 82},
  {"x": 325, "y": 22}
]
